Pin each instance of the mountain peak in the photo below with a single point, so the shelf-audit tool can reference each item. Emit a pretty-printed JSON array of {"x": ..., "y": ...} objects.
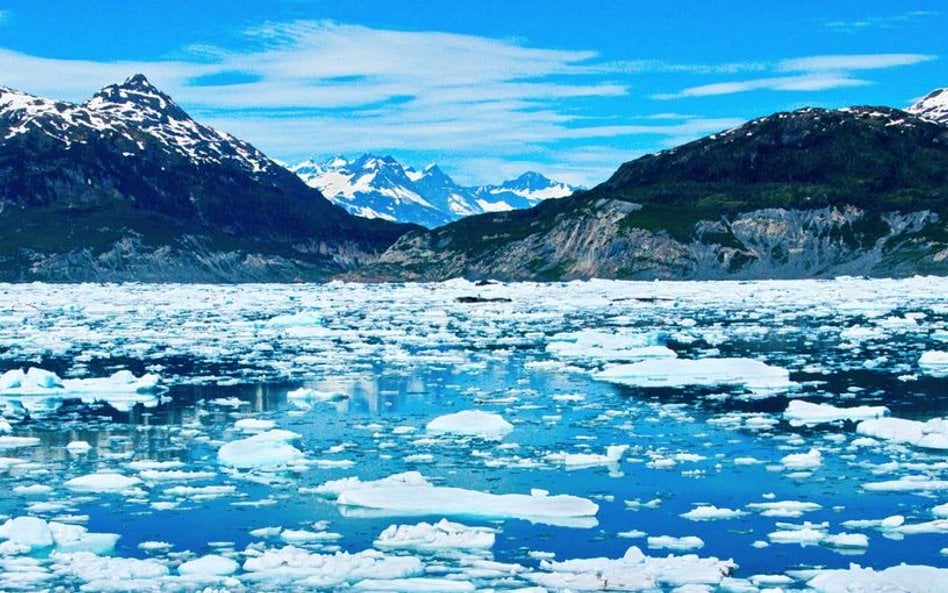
[
  {"x": 138, "y": 82},
  {"x": 137, "y": 94},
  {"x": 933, "y": 107}
]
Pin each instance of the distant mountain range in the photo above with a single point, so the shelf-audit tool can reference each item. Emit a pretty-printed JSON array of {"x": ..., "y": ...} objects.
[
  {"x": 381, "y": 187},
  {"x": 808, "y": 193},
  {"x": 127, "y": 186}
]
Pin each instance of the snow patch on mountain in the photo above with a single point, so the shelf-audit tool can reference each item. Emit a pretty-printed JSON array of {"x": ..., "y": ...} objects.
[
  {"x": 128, "y": 110},
  {"x": 381, "y": 187},
  {"x": 933, "y": 107}
]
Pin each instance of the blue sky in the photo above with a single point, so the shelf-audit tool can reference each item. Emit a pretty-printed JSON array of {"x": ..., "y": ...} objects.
[{"x": 487, "y": 89}]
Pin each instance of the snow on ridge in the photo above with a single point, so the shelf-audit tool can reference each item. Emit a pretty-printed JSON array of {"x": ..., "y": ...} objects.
[
  {"x": 134, "y": 106},
  {"x": 933, "y": 107},
  {"x": 380, "y": 186}
]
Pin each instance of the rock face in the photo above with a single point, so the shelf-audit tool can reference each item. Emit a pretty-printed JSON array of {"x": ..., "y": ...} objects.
[
  {"x": 127, "y": 186},
  {"x": 812, "y": 193}
]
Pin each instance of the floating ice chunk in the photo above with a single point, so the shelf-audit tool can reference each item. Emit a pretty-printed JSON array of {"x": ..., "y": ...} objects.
[
  {"x": 934, "y": 362},
  {"x": 8, "y": 442},
  {"x": 305, "y": 395},
  {"x": 612, "y": 457},
  {"x": 174, "y": 475},
  {"x": 896, "y": 579},
  {"x": 300, "y": 536},
  {"x": 784, "y": 508},
  {"x": 291, "y": 565},
  {"x": 745, "y": 372},
  {"x": 810, "y": 459},
  {"x": 104, "y": 573},
  {"x": 102, "y": 482},
  {"x": 633, "y": 572},
  {"x": 410, "y": 493},
  {"x": 804, "y": 412},
  {"x": 810, "y": 534},
  {"x": 31, "y": 532},
  {"x": 12, "y": 379},
  {"x": 712, "y": 513},
  {"x": 42, "y": 379},
  {"x": 75, "y": 538},
  {"x": 212, "y": 565},
  {"x": 941, "y": 510},
  {"x": 932, "y": 434},
  {"x": 409, "y": 585},
  {"x": 600, "y": 346},
  {"x": 254, "y": 425},
  {"x": 122, "y": 389},
  {"x": 78, "y": 447},
  {"x": 441, "y": 536},
  {"x": 471, "y": 422},
  {"x": 688, "y": 542},
  {"x": 265, "y": 450},
  {"x": 919, "y": 483},
  {"x": 154, "y": 546}
]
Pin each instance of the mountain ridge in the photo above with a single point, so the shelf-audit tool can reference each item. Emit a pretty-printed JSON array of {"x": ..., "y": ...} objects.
[{"x": 381, "y": 187}]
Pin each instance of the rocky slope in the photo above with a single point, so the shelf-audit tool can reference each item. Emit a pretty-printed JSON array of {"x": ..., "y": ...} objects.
[
  {"x": 127, "y": 186},
  {"x": 812, "y": 193},
  {"x": 381, "y": 187}
]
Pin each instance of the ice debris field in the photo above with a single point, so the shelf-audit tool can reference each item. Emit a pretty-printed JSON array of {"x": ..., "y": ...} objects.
[{"x": 696, "y": 437}]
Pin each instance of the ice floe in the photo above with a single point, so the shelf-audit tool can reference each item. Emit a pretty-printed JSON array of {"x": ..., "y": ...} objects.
[
  {"x": 711, "y": 372},
  {"x": 931, "y": 434},
  {"x": 410, "y": 494},
  {"x": 443, "y": 535},
  {"x": 471, "y": 422},
  {"x": 803, "y": 412},
  {"x": 265, "y": 450}
]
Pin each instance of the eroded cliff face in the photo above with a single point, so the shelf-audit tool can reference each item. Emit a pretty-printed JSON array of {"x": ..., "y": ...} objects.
[
  {"x": 130, "y": 260},
  {"x": 766, "y": 243}
]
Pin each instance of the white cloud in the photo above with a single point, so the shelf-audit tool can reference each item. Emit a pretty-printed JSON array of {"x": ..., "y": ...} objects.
[
  {"x": 880, "y": 22},
  {"x": 807, "y": 82},
  {"x": 816, "y": 73},
  {"x": 839, "y": 63}
]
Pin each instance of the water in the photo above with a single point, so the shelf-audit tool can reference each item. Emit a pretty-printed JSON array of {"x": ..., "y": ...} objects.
[{"x": 407, "y": 354}]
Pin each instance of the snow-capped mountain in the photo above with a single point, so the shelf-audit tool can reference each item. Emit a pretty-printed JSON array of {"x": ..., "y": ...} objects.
[
  {"x": 381, "y": 187},
  {"x": 128, "y": 186},
  {"x": 134, "y": 108},
  {"x": 933, "y": 107}
]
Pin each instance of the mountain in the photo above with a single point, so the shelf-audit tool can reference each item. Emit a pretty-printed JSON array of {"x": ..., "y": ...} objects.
[
  {"x": 127, "y": 186},
  {"x": 933, "y": 107},
  {"x": 380, "y": 187},
  {"x": 808, "y": 193}
]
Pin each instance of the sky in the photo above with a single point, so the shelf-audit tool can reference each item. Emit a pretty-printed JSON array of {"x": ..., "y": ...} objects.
[{"x": 486, "y": 89}]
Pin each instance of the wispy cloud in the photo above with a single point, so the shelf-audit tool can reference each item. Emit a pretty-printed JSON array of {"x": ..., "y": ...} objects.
[
  {"x": 880, "y": 22},
  {"x": 843, "y": 62},
  {"x": 811, "y": 73}
]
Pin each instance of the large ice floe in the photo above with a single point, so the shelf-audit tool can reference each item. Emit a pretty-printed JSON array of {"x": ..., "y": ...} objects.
[
  {"x": 709, "y": 372},
  {"x": 931, "y": 434},
  {"x": 409, "y": 493}
]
